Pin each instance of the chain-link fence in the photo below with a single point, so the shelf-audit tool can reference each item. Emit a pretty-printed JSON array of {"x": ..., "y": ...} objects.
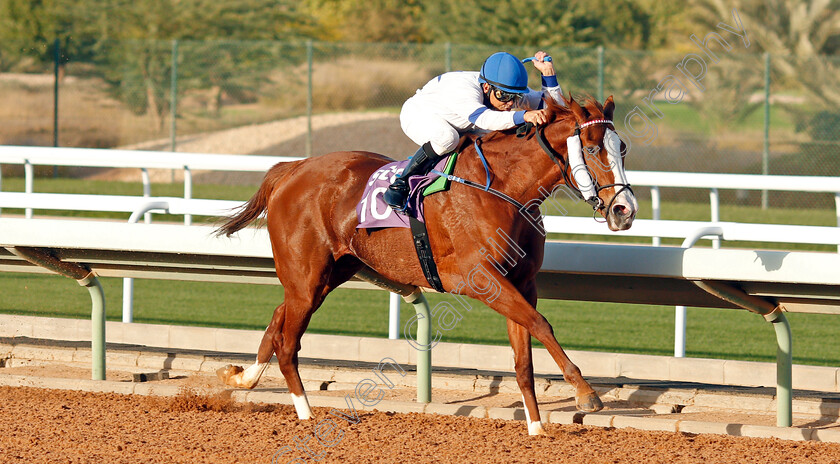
[{"x": 743, "y": 113}]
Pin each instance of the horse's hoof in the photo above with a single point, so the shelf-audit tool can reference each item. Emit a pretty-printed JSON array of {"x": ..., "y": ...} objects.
[
  {"x": 536, "y": 428},
  {"x": 589, "y": 403},
  {"x": 225, "y": 374}
]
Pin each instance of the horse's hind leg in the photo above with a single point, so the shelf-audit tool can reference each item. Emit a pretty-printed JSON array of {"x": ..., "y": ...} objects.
[
  {"x": 286, "y": 344},
  {"x": 301, "y": 302},
  {"x": 282, "y": 337},
  {"x": 520, "y": 341},
  {"x": 235, "y": 376}
]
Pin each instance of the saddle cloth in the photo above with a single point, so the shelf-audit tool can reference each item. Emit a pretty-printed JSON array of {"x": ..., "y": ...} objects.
[{"x": 373, "y": 212}]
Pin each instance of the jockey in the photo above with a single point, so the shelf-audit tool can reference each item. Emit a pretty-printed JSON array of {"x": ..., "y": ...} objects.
[{"x": 496, "y": 98}]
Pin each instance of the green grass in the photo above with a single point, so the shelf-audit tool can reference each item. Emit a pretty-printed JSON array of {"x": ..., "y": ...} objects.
[
  {"x": 683, "y": 117},
  {"x": 644, "y": 329},
  {"x": 781, "y": 121}
]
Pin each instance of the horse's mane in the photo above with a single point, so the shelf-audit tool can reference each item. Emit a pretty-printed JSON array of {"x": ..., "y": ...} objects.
[
  {"x": 590, "y": 107},
  {"x": 556, "y": 112}
]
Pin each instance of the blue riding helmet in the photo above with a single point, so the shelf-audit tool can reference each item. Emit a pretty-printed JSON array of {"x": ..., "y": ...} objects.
[{"x": 504, "y": 71}]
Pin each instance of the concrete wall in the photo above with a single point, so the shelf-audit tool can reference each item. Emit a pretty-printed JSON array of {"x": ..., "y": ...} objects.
[{"x": 486, "y": 357}]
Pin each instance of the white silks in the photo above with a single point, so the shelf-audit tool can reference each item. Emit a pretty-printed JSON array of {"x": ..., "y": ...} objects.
[
  {"x": 613, "y": 145},
  {"x": 581, "y": 174}
]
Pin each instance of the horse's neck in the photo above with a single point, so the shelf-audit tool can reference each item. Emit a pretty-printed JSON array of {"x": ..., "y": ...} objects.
[{"x": 519, "y": 167}]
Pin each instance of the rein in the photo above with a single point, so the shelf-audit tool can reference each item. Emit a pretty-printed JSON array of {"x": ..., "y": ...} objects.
[
  {"x": 594, "y": 201},
  {"x": 483, "y": 188}
]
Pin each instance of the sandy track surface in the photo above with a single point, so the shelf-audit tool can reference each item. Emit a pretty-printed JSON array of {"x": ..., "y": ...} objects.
[{"x": 64, "y": 426}]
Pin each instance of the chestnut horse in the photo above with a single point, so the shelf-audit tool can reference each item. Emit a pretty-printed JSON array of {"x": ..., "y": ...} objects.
[{"x": 311, "y": 217}]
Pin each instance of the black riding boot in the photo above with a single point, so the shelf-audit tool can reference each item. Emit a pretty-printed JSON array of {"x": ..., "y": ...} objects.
[{"x": 397, "y": 194}]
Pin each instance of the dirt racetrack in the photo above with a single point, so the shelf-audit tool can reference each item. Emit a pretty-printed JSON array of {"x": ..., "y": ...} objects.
[{"x": 40, "y": 426}]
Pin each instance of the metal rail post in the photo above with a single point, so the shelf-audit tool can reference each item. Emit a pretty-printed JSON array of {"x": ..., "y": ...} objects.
[
  {"x": 600, "y": 73},
  {"x": 784, "y": 368},
  {"x": 56, "y": 77},
  {"x": 86, "y": 278},
  {"x": 447, "y": 56},
  {"x": 97, "y": 325},
  {"x": 28, "y": 184},
  {"x": 655, "y": 202},
  {"x": 784, "y": 341},
  {"x": 147, "y": 191},
  {"x": 423, "y": 342},
  {"x": 173, "y": 102},
  {"x": 680, "y": 314},
  {"x": 424, "y": 339},
  {"x": 188, "y": 190},
  {"x": 765, "y": 155},
  {"x": 714, "y": 200},
  {"x": 837, "y": 212},
  {"x": 128, "y": 282},
  {"x": 394, "y": 316},
  {"x": 309, "y": 57}
]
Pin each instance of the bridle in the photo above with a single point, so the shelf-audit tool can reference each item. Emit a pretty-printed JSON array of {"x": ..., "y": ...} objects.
[
  {"x": 523, "y": 131},
  {"x": 595, "y": 200}
]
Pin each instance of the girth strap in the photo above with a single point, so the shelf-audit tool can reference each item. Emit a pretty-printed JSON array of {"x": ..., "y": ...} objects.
[{"x": 424, "y": 253}]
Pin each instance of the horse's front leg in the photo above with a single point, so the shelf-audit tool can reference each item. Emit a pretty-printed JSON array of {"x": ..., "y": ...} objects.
[
  {"x": 503, "y": 297},
  {"x": 236, "y": 376},
  {"x": 520, "y": 341}
]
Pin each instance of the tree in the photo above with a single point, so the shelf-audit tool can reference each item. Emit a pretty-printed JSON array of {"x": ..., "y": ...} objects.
[
  {"x": 637, "y": 24},
  {"x": 131, "y": 40},
  {"x": 241, "y": 20},
  {"x": 625, "y": 24},
  {"x": 797, "y": 32},
  {"x": 134, "y": 45},
  {"x": 29, "y": 28},
  {"x": 537, "y": 23},
  {"x": 369, "y": 20},
  {"x": 787, "y": 27}
]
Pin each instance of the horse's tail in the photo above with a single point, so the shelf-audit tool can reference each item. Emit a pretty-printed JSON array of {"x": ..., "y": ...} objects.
[{"x": 258, "y": 203}]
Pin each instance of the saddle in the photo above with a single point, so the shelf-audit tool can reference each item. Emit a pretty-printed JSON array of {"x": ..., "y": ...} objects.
[{"x": 374, "y": 213}]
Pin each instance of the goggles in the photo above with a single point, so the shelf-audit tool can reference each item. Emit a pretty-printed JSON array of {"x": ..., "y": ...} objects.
[{"x": 505, "y": 97}]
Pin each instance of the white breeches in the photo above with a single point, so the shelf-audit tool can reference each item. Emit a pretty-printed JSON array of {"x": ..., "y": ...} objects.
[{"x": 422, "y": 125}]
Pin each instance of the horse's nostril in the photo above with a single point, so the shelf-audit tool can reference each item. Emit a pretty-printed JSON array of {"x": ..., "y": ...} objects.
[{"x": 619, "y": 210}]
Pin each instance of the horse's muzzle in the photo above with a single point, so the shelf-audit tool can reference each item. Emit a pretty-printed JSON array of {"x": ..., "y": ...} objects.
[{"x": 622, "y": 212}]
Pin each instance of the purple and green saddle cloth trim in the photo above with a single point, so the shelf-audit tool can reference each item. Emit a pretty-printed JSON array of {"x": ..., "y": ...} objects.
[{"x": 373, "y": 212}]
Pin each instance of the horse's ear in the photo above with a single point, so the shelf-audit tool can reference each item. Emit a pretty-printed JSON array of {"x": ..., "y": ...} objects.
[
  {"x": 579, "y": 112},
  {"x": 609, "y": 108}
]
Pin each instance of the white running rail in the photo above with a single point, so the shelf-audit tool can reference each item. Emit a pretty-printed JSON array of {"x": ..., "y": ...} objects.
[{"x": 189, "y": 162}]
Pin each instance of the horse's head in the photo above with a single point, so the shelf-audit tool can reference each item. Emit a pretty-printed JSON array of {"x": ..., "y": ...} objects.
[{"x": 594, "y": 148}]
